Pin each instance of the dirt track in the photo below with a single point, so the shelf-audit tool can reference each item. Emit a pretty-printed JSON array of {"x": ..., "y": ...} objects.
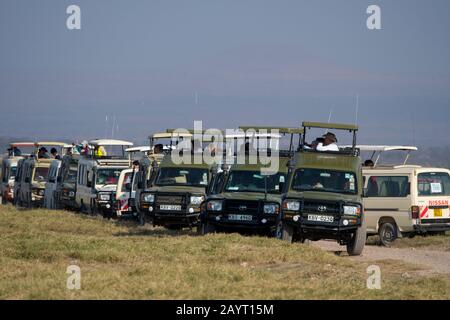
[{"x": 428, "y": 260}]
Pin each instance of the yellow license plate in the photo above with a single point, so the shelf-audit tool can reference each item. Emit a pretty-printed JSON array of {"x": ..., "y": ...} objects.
[{"x": 437, "y": 213}]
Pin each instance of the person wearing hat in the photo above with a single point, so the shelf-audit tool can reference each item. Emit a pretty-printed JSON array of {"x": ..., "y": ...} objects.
[{"x": 328, "y": 143}]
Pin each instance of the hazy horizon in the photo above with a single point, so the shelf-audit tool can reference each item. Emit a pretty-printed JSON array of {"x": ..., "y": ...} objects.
[{"x": 163, "y": 64}]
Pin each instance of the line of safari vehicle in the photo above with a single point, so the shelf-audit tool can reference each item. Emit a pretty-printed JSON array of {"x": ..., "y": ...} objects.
[{"x": 312, "y": 195}]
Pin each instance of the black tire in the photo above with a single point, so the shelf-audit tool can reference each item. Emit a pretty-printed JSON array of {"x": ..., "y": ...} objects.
[
  {"x": 141, "y": 219},
  {"x": 285, "y": 232},
  {"x": 387, "y": 233},
  {"x": 204, "y": 228},
  {"x": 356, "y": 245}
]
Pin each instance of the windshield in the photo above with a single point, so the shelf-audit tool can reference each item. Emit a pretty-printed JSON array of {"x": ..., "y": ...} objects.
[
  {"x": 433, "y": 184},
  {"x": 254, "y": 181},
  {"x": 324, "y": 181},
  {"x": 126, "y": 185},
  {"x": 182, "y": 177},
  {"x": 40, "y": 174},
  {"x": 108, "y": 176},
  {"x": 71, "y": 176}
]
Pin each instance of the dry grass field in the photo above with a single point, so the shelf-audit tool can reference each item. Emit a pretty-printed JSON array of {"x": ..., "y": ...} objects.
[{"x": 120, "y": 260}]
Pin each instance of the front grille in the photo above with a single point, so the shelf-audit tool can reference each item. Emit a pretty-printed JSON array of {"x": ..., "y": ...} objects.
[
  {"x": 171, "y": 199},
  {"x": 243, "y": 206},
  {"x": 321, "y": 207}
]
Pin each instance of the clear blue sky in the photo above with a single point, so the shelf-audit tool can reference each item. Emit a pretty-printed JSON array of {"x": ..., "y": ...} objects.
[{"x": 250, "y": 61}]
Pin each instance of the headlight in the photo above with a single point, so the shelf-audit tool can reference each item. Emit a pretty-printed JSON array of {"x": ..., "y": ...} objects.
[
  {"x": 104, "y": 197},
  {"x": 41, "y": 192},
  {"x": 291, "y": 205},
  {"x": 352, "y": 210},
  {"x": 214, "y": 206},
  {"x": 271, "y": 208},
  {"x": 149, "y": 198},
  {"x": 71, "y": 194},
  {"x": 197, "y": 199}
]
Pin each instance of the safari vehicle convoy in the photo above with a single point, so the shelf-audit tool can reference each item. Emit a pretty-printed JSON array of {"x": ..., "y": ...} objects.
[
  {"x": 8, "y": 168},
  {"x": 34, "y": 173},
  {"x": 323, "y": 196},
  {"x": 98, "y": 175},
  {"x": 318, "y": 191},
  {"x": 404, "y": 200},
  {"x": 244, "y": 198}
]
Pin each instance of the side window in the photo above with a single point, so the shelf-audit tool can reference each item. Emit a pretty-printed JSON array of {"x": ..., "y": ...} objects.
[
  {"x": 388, "y": 187},
  {"x": 88, "y": 178}
]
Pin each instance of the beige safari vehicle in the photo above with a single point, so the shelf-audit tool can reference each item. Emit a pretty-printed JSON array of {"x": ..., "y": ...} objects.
[
  {"x": 34, "y": 175},
  {"x": 404, "y": 200}
]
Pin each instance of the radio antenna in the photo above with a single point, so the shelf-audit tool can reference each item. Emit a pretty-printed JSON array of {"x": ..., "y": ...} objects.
[{"x": 357, "y": 109}]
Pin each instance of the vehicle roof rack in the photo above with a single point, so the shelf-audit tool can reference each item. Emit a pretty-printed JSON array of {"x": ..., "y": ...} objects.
[{"x": 325, "y": 125}]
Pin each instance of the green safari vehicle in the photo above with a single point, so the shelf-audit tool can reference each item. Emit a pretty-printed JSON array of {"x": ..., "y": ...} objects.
[
  {"x": 323, "y": 196},
  {"x": 175, "y": 192},
  {"x": 242, "y": 198}
]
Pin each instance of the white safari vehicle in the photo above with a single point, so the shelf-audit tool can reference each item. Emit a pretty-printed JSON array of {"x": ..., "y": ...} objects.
[
  {"x": 126, "y": 188},
  {"x": 8, "y": 168},
  {"x": 98, "y": 175},
  {"x": 404, "y": 200}
]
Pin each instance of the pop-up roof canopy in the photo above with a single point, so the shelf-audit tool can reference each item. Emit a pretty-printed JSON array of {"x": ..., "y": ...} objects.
[
  {"x": 110, "y": 142},
  {"x": 170, "y": 133},
  {"x": 13, "y": 146},
  {"x": 380, "y": 149},
  {"x": 139, "y": 149}
]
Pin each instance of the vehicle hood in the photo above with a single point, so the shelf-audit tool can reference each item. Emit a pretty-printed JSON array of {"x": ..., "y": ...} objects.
[
  {"x": 247, "y": 196},
  {"x": 180, "y": 189},
  {"x": 327, "y": 196}
]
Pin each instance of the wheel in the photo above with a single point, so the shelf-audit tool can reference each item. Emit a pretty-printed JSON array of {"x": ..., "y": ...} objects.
[
  {"x": 356, "y": 245},
  {"x": 204, "y": 228},
  {"x": 285, "y": 232},
  {"x": 387, "y": 233},
  {"x": 141, "y": 219}
]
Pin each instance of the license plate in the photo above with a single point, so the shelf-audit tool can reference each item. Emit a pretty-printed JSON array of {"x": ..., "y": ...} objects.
[
  {"x": 170, "y": 207},
  {"x": 438, "y": 213},
  {"x": 320, "y": 218},
  {"x": 240, "y": 217}
]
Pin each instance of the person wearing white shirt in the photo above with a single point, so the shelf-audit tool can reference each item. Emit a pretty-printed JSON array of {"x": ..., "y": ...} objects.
[{"x": 328, "y": 144}]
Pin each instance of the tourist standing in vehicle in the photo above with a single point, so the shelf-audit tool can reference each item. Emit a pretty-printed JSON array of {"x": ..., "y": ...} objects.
[
  {"x": 328, "y": 143},
  {"x": 43, "y": 153},
  {"x": 55, "y": 154}
]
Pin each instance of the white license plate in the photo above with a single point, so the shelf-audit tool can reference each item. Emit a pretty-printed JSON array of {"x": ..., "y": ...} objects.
[
  {"x": 170, "y": 207},
  {"x": 320, "y": 218},
  {"x": 240, "y": 217}
]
